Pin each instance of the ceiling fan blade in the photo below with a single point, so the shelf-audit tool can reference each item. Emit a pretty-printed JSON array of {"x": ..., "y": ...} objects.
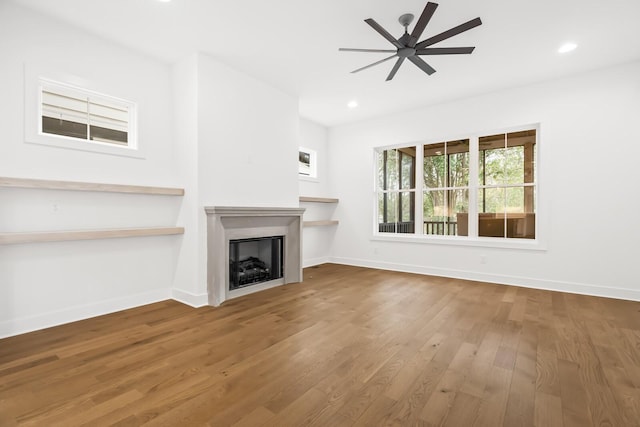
[
  {"x": 347, "y": 49},
  {"x": 374, "y": 64},
  {"x": 395, "y": 68},
  {"x": 424, "y": 19},
  {"x": 384, "y": 33},
  {"x": 445, "y": 50},
  {"x": 449, "y": 33},
  {"x": 422, "y": 65}
]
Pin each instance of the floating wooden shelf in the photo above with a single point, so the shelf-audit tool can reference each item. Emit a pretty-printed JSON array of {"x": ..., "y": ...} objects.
[
  {"x": 319, "y": 223},
  {"x": 317, "y": 199},
  {"x": 88, "y": 186},
  {"x": 61, "y": 236},
  {"x": 308, "y": 199}
]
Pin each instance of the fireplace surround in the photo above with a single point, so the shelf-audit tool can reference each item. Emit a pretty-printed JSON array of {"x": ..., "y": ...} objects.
[{"x": 228, "y": 223}]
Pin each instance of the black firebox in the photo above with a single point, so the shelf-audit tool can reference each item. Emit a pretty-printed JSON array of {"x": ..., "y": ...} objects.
[{"x": 256, "y": 260}]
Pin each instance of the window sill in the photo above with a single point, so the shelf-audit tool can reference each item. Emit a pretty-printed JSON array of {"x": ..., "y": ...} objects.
[
  {"x": 308, "y": 178},
  {"x": 84, "y": 145},
  {"x": 485, "y": 242}
]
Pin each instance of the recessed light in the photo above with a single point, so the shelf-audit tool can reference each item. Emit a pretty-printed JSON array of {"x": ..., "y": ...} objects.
[
  {"x": 567, "y": 47},
  {"x": 164, "y": 1},
  {"x": 352, "y": 104}
]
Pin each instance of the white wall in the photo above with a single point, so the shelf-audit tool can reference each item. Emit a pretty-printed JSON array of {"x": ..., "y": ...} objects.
[
  {"x": 316, "y": 241},
  {"x": 37, "y": 43},
  {"x": 589, "y": 149},
  {"x": 241, "y": 144},
  {"x": 248, "y": 139},
  {"x": 235, "y": 144},
  {"x": 315, "y": 137},
  {"x": 187, "y": 283},
  {"x": 52, "y": 283}
]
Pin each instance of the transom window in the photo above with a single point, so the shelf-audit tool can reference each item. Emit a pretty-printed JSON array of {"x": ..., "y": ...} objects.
[
  {"x": 71, "y": 112},
  {"x": 452, "y": 194}
]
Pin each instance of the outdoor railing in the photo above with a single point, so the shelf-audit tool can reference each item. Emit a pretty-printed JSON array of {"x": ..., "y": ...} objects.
[
  {"x": 429, "y": 227},
  {"x": 396, "y": 227},
  {"x": 439, "y": 227}
]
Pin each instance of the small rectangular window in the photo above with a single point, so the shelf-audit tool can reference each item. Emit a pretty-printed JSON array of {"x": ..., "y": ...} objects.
[{"x": 72, "y": 112}]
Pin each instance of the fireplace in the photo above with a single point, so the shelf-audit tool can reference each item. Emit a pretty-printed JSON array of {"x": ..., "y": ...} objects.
[
  {"x": 254, "y": 261},
  {"x": 256, "y": 227}
]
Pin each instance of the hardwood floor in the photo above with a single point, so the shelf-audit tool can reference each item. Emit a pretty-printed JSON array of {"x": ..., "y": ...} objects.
[{"x": 349, "y": 346}]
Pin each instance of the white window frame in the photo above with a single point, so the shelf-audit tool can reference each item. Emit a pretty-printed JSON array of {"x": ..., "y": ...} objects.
[
  {"x": 397, "y": 191},
  {"x": 468, "y": 187},
  {"x": 539, "y": 243},
  {"x": 33, "y": 120},
  {"x": 313, "y": 165}
]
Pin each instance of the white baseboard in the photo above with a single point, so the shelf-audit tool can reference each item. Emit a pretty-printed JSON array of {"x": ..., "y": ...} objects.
[
  {"x": 41, "y": 321},
  {"x": 314, "y": 261},
  {"x": 55, "y": 318},
  {"x": 189, "y": 298},
  {"x": 526, "y": 282}
]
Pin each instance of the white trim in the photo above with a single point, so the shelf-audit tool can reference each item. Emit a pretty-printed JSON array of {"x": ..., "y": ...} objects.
[
  {"x": 315, "y": 261},
  {"x": 474, "y": 157},
  {"x": 79, "y": 312},
  {"x": 486, "y": 242},
  {"x": 418, "y": 213},
  {"x": 190, "y": 299},
  {"x": 313, "y": 164},
  {"x": 307, "y": 178},
  {"x": 525, "y": 282}
]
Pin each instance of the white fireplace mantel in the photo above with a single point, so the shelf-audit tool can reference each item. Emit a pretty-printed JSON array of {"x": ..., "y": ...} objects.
[{"x": 225, "y": 223}]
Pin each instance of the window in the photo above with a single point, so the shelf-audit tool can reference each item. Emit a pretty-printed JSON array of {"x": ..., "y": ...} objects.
[
  {"x": 446, "y": 187},
  {"x": 506, "y": 196},
  {"x": 307, "y": 163},
  {"x": 453, "y": 194},
  {"x": 396, "y": 194},
  {"x": 69, "y": 112}
]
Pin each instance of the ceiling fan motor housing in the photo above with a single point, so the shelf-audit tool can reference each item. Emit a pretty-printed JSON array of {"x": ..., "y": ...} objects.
[{"x": 406, "y": 52}]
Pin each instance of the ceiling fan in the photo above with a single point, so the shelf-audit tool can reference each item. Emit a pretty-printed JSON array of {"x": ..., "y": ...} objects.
[{"x": 408, "y": 47}]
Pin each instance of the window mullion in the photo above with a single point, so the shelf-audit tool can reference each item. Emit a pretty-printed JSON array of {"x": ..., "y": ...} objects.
[
  {"x": 445, "y": 193},
  {"x": 473, "y": 186},
  {"x": 88, "y": 119},
  {"x": 419, "y": 212},
  {"x": 504, "y": 175},
  {"x": 384, "y": 187},
  {"x": 399, "y": 155}
]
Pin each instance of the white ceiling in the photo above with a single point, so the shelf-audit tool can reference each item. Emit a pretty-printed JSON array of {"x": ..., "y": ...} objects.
[{"x": 293, "y": 44}]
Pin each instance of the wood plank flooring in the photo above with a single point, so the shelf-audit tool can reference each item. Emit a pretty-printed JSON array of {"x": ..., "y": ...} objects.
[{"x": 348, "y": 347}]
